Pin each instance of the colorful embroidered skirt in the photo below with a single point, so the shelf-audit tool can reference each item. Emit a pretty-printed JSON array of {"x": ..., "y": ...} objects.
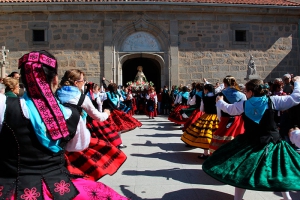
[
  {"x": 99, "y": 159},
  {"x": 123, "y": 122},
  {"x": 87, "y": 189},
  {"x": 245, "y": 164},
  {"x": 175, "y": 115},
  {"x": 229, "y": 128},
  {"x": 103, "y": 130},
  {"x": 199, "y": 134},
  {"x": 192, "y": 119}
]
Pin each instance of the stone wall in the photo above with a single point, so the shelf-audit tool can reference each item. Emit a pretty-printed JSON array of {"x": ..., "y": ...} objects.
[
  {"x": 198, "y": 40},
  {"x": 207, "y": 50}
]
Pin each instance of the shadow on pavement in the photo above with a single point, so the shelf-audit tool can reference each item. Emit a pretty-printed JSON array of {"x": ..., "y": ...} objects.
[
  {"x": 293, "y": 194},
  {"x": 177, "y": 157},
  {"x": 160, "y": 135},
  {"x": 184, "y": 194},
  {"x": 166, "y": 147},
  {"x": 191, "y": 176}
]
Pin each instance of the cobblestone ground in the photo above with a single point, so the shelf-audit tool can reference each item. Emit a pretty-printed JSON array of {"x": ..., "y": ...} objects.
[{"x": 160, "y": 166}]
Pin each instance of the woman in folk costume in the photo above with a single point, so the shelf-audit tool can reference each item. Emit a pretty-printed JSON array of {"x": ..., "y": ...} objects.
[
  {"x": 151, "y": 99},
  {"x": 102, "y": 155},
  {"x": 199, "y": 134},
  {"x": 121, "y": 121},
  {"x": 230, "y": 126},
  {"x": 35, "y": 132},
  {"x": 101, "y": 129},
  {"x": 131, "y": 101},
  {"x": 258, "y": 159},
  {"x": 180, "y": 103},
  {"x": 193, "y": 112}
]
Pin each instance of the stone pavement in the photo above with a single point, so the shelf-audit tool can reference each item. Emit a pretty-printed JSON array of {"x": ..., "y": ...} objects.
[{"x": 159, "y": 166}]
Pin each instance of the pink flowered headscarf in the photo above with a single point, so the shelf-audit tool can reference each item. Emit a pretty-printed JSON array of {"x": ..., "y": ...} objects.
[{"x": 41, "y": 93}]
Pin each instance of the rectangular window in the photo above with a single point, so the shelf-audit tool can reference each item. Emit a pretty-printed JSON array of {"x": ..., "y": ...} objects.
[
  {"x": 240, "y": 36},
  {"x": 38, "y": 35}
]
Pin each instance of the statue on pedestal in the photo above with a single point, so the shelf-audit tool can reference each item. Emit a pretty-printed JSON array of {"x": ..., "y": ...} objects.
[{"x": 251, "y": 72}]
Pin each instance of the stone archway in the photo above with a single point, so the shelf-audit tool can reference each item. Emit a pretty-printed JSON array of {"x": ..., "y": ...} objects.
[{"x": 154, "y": 46}]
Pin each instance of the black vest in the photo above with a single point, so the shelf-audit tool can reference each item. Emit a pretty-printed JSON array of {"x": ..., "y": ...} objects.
[
  {"x": 264, "y": 132},
  {"x": 25, "y": 162},
  {"x": 210, "y": 105}
]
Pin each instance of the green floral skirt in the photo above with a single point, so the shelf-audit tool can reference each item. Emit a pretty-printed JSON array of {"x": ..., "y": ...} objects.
[{"x": 251, "y": 165}]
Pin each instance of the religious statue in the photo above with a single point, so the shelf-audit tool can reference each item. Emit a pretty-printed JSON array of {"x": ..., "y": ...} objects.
[
  {"x": 140, "y": 82},
  {"x": 251, "y": 72},
  {"x": 140, "y": 76}
]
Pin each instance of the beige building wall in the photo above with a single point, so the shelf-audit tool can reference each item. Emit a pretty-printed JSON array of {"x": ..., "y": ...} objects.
[{"x": 197, "y": 41}]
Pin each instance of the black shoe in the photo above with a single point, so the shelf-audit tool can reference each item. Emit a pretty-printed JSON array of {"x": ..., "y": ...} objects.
[
  {"x": 202, "y": 156},
  {"x": 152, "y": 117},
  {"x": 122, "y": 146}
]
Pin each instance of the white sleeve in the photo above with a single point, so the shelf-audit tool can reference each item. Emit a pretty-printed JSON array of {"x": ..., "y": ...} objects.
[
  {"x": 179, "y": 100},
  {"x": 2, "y": 109},
  {"x": 219, "y": 114},
  {"x": 295, "y": 137},
  {"x": 236, "y": 108},
  {"x": 147, "y": 96},
  {"x": 288, "y": 101},
  {"x": 202, "y": 106},
  {"x": 81, "y": 140},
  {"x": 92, "y": 111},
  {"x": 155, "y": 99},
  {"x": 192, "y": 101}
]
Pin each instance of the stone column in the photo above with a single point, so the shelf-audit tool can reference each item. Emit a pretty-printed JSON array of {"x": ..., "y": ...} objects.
[
  {"x": 174, "y": 52},
  {"x": 109, "y": 70}
]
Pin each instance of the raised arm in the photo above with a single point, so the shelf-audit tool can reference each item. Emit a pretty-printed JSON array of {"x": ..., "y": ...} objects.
[{"x": 288, "y": 101}]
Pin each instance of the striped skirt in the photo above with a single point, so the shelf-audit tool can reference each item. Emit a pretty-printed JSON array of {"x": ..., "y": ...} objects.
[{"x": 199, "y": 134}]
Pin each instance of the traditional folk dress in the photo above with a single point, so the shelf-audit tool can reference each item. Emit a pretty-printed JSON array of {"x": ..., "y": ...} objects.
[
  {"x": 151, "y": 100},
  {"x": 180, "y": 103},
  {"x": 199, "y": 134},
  {"x": 32, "y": 164},
  {"x": 257, "y": 159},
  {"x": 196, "y": 113},
  {"x": 102, "y": 155},
  {"x": 121, "y": 121},
  {"x": 229, "y": 126}
]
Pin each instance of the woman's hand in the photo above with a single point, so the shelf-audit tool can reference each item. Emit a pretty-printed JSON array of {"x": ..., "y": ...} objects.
[
  {"x": 291, "y": 130},
  {"x": 219, "y": 98},
  {"x": 297, "y": 79},
  {"x": 107, "y": 111}
]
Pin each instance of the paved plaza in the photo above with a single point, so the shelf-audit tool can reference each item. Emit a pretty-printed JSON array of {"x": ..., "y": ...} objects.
[{"x": 160, "y": 166}]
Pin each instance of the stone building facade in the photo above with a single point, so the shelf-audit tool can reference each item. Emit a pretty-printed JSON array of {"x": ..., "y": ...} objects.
[{"x": 174, "y": 42}]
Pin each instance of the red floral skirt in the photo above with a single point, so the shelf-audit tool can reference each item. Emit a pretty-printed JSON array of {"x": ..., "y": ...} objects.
[
  {"x": 228, "y": 129},
  {"x": 99, "y": 159},
  {"x": 192, "y": 119},
  {"x": 175, "y": 115},
  {"x": 123, "y": 122}
]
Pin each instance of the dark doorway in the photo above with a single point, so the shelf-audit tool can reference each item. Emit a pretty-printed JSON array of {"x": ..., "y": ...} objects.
[{"x": 151, "y": 69}]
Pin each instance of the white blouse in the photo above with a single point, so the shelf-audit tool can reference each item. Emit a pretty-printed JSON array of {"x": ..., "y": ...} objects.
[{"x": 82, "y": 136}]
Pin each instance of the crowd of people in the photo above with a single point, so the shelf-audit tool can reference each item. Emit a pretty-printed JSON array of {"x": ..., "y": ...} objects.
[
  {"x": 64, "y": 135},
  {"x": 248, "y": 132}
]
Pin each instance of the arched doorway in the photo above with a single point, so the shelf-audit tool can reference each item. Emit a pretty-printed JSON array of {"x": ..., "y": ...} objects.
[{"x": 151, "y": 69}]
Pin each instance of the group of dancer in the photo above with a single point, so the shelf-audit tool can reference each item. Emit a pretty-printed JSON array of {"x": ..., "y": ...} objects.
[
  {"x": 56, "y": 142},
  {"x": 239, "y": 135}
]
